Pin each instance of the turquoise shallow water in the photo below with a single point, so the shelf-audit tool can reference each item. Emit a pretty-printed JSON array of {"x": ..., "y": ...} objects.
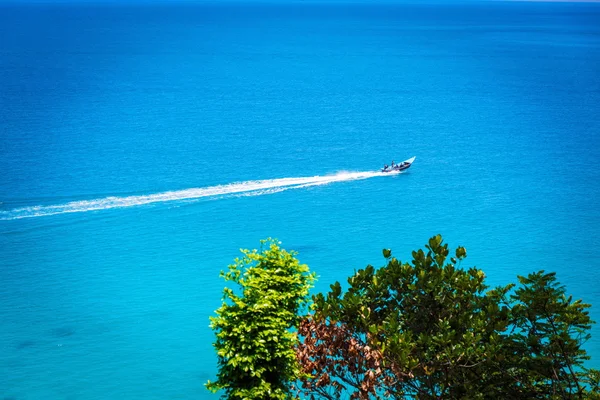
[{"x": 133, "y": 137}]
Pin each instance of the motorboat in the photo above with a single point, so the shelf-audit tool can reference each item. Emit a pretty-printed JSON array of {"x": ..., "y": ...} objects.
[{"x": 399, "y": 166}]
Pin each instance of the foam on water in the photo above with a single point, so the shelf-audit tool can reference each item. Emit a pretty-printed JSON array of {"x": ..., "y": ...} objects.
[{"x": 247, "y": 188}]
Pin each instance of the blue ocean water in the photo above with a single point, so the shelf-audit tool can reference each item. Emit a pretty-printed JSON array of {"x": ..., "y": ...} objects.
[{"x": 142, "y": 145}]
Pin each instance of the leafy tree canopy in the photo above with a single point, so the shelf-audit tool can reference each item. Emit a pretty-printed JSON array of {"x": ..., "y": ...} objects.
[
  {"x": 429, "y": 329},
  {"x": 255, "y": 346}
]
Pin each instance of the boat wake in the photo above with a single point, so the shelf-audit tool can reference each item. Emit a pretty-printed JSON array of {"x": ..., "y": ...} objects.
[{"x": 248, "y": 188}]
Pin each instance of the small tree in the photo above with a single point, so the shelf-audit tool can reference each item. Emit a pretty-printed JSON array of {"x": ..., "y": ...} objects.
[
  {"x": 255, "y": 346},
  {"x": 549, "y": 329}
]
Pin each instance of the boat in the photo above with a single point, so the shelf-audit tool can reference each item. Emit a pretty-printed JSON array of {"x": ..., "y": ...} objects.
[{"x": 400, "y": 166}]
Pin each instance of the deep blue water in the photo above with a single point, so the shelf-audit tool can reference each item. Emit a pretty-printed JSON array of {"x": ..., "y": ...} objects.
[{"x": 132, "y": 137}]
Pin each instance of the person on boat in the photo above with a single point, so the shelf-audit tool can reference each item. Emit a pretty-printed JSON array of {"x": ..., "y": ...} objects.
[
  {"x": 392, "y": 163},
  {"x": 385, "y": 167}
]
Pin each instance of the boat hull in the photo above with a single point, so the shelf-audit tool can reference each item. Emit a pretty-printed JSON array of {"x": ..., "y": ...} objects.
[{"x": 404, "y": 165}]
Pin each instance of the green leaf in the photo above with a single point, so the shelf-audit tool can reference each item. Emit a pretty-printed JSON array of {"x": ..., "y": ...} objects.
[{"x": 461, "y": 252}]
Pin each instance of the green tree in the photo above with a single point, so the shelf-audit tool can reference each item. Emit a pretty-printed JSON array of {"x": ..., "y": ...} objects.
[
  {"x": 255, "y": 344},
  {"x": 548, "y": 330},
  {"x": 431, "y": 330}
]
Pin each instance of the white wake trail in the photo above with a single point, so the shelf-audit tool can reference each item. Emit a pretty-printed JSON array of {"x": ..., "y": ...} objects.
[{"x": 250, "y": 188}]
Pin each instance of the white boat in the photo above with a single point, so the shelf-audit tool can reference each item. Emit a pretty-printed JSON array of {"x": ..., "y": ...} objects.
[{"x": 399, "y": 167}]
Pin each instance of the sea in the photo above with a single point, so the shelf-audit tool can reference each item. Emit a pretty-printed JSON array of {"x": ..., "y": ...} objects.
[{"x": 143, "y": 144}]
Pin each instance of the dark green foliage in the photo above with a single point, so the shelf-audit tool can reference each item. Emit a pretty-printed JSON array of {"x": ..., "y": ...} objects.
[
  {"x": 548, "y": 331},
  {"x": 433, "y": 330},
  {"x": 255, "y": 346}
]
